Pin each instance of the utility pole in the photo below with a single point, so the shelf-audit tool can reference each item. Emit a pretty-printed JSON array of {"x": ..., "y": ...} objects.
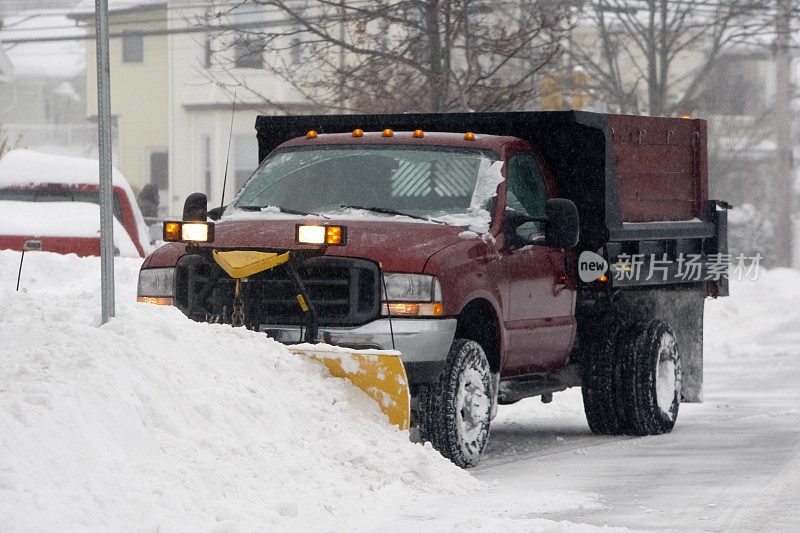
[
  {"x": 783, "y": 190},
  {"x": 104, "y": 149}
]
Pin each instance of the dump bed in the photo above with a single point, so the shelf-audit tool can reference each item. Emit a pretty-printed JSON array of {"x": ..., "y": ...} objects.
[
  {"x": 640, "y": 183},
  {"x": 661, "y": 167}
]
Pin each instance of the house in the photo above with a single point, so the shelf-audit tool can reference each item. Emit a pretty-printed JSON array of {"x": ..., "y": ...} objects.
[
  {"x": 207, "y": 136},
  {"x": 42, "y": 83},
  {"x": 139, "y": 87},
  {"x": 177, "y": 128}
]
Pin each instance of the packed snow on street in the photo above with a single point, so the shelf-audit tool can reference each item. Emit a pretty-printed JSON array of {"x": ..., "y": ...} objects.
[{"x": 153, "y": 422}]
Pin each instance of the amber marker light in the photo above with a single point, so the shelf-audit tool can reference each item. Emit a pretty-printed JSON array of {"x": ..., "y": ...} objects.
[
  {"x": 321, "y": 235},
  {"x": 602, "y": 278},
  {"x": 154, "y": 300},
  {"x": 469, "y": 136},
  {"x": 418, "y": 134},
  {"x": 387, "y": 132},
  {"x": 311, "y": 135},
  {"x": 172, "y": 231},
  {"x": 333, "y": 235},
  {"x": 686, "y": 116},
  {"x": 188, "y": 231},
  {"x": 358, "y": 133},
  {"x": 412, "y": 309}
]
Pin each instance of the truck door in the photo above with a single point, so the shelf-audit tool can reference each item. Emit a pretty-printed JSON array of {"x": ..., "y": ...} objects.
[{"x": 539, "y": 292}]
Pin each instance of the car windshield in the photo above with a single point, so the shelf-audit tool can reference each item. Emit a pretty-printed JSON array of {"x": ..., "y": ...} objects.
[{"x": 418, "y": 181}]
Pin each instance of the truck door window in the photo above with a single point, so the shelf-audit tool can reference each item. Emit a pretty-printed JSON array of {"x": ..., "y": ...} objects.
[{"x": 526, "y": 191}]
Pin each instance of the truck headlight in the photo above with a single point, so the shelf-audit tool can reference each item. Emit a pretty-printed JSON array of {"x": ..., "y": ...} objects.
[
  {"x": 188, "y": 232},
  {"x": 156, "y": 286},
  {"x": 321, "y": 235},
  {"x": 411, "y": 295}
]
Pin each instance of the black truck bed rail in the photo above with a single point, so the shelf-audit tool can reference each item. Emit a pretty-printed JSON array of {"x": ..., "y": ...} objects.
[{"x": 584, "y": 150}]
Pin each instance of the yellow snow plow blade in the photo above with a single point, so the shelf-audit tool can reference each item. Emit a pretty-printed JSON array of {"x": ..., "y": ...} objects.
[
  {"x": 380, "y": 374},
  {"x": 242, "y": 263}
]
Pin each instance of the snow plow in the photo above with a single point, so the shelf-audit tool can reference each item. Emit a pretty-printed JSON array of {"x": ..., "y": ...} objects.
[
  {"x": 504, "y": 255},
  {"x": 378, "y": 373}
]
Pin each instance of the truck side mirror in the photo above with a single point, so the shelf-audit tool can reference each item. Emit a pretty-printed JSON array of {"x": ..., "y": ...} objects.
[
  {"x": 195, "y": 208},
  {"x": 216, "y": 213},
  {"x": 563, "y": 227}
]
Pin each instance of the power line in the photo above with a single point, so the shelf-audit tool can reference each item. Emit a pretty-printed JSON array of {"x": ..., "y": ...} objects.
[
  {"x": 211, "y": 28},
  {"x": 641, "y": 5}
]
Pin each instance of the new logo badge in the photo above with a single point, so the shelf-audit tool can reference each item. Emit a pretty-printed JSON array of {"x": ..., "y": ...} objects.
[{"x": 591, "y": 266}]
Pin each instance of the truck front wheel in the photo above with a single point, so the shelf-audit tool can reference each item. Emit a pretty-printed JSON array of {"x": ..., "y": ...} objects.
[
  {"x": 651, "y": 378},
  {"x": 455, "y": 411}
]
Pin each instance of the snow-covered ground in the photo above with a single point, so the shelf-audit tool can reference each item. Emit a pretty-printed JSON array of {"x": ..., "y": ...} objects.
[{"x": 153, "y": 422}]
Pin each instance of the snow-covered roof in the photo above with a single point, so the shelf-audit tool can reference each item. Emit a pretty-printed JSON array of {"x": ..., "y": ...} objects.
[{"x": 57, "y": 59}]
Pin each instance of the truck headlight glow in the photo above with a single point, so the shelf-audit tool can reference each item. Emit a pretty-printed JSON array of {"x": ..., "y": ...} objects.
[
  {"x": 320, "y": 235},
  {"x": 195, "y": 231},
  {"x": 411, "y": 295},
  {"x": 156, "y": 285},
  {"x": 188, "y": 231}
]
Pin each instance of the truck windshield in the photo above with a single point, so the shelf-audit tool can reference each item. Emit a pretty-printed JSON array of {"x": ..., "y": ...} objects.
[{"x": 419, "y": 181}]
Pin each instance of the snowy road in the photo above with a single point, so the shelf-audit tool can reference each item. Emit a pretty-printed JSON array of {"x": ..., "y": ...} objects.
[{"x": 731, "y": 464}]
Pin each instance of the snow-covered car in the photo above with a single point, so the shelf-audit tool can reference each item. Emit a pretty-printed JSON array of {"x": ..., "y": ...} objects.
[{"x": 51, "y": 202}]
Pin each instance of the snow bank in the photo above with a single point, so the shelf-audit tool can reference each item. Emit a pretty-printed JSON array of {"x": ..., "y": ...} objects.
[
  {"x": 155, "y": 422},
  {"x": 760, "y": 312}
]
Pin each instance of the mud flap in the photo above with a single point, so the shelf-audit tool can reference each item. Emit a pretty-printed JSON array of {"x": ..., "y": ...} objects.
[{"x": 380, "y": 374}]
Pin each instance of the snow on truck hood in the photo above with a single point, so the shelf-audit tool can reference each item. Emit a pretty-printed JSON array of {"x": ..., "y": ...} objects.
[
  {"x": 400, "y": 245},
  {"x": 60, "y": 219}
]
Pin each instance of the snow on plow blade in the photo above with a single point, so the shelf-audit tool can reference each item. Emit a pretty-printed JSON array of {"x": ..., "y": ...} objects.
[{"x": 380, "y": 374}]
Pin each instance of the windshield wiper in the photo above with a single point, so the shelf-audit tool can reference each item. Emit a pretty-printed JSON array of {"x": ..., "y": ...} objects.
[
  {"x": 389, "y": 211},
  {"x": 281, "y": 209}
]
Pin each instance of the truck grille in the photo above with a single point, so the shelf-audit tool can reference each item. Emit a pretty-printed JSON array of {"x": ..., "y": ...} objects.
[{"x": 344, "y": 291}]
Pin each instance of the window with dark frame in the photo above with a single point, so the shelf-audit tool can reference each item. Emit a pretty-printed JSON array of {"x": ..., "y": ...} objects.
[
  {"x": 206, "y": 139},
  {"x": 249, "y": 41},
  {"x": 249, "y": 52},
  {"x": 132, "y": 47},
  {"x": 159, "y": 170},
  {"x": 526, "y": 191},
  {"x": 208, "y": 52}
]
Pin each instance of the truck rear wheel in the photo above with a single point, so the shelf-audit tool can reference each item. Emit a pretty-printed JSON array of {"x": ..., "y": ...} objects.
[
  {"x": 455, "y": 411},
  {"x": 600, "y": 378},
  {"x": 651, "y": 378}
]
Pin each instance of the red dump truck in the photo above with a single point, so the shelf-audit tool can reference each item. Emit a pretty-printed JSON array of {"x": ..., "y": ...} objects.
[{"x": 504, "y": 255}]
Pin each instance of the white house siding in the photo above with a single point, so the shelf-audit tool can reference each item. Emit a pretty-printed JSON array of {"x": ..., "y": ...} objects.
[{"x": 199, "y": 109}]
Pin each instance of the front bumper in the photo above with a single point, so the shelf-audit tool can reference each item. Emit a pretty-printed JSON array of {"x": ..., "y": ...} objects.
[{"x": 423, "y": 343}]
